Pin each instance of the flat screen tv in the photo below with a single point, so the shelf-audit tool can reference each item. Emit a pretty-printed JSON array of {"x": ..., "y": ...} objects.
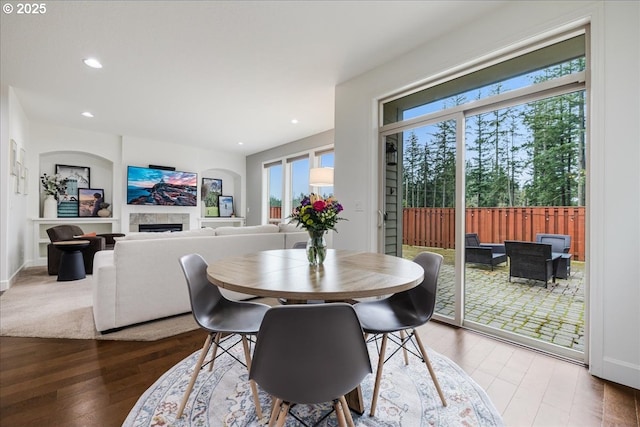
[{"x": 148, "y": 186}]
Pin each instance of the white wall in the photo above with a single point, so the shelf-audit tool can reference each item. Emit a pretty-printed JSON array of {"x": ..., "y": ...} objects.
[
  {"x": 14, "y": 206},
  {"x": 614, "y": 211}
]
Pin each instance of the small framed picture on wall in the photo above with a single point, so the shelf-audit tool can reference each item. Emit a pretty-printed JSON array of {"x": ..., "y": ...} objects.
[
  {"x": 13, "y": 158},
  {"x": 225, "y": 205}
]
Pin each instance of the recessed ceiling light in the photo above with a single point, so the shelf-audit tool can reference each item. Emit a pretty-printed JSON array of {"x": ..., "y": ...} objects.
[
  {"x": 294, "y": 121},
  {"x": 92, "y": 62},
  {"x": 87, "y": 114},
  {"x": 240, "y": 143}
]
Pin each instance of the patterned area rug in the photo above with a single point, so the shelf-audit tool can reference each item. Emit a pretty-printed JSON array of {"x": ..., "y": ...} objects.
[{"x": 407, "y": 398}]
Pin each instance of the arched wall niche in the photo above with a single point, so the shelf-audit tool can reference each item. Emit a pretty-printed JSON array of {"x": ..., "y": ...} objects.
[
  {"x": 231, "y": 186},
  {"x": 100, "y": 173}
]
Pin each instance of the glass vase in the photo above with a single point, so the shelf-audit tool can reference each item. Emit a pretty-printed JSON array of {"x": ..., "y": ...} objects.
[{"x": 316, "y": 248}]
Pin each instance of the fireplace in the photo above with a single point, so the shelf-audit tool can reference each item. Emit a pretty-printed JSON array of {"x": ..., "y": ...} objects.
[
  {"x": 136, "y": 220},
  {"x": 159, "y": 228}
]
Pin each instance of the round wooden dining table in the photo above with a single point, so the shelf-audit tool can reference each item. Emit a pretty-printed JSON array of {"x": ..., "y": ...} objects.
[{"x": 344, "y": 275}]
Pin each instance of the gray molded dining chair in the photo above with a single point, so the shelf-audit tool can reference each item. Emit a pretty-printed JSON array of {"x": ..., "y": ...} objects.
[
  {"x": 401, "y": 312},
  {"x": 310, "y": 354},
  {"x": 220, "y": 317}
]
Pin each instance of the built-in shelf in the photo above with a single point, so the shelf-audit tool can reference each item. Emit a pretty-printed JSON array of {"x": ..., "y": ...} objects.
[
  {"x": 215, "y": 222},
  {"x": 99, "y": 225}
]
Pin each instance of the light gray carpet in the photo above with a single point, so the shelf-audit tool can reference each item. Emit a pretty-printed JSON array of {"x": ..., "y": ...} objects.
[{"x": 37, "y": 305}]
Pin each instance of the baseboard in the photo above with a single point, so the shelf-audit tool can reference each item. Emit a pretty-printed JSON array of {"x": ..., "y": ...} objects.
[
  {"x": 6, "y": 284},
  {"x": 621, "y": 372}
]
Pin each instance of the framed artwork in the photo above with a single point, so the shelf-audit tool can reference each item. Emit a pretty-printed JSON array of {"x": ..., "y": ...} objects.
[
  {"x": 77, "y": 177},
  {"x": 225, "y": 205},
  {"x": 210, "y": 190},
  {"x": 25, "y": 181},
  {"x": 89, "y": 201},
  {"x": 18, "y": 177},
  {"x": 13, "y": 158}
]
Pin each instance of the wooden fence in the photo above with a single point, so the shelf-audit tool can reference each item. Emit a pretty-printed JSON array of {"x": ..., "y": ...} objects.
[{"x": 435, "y": 227}]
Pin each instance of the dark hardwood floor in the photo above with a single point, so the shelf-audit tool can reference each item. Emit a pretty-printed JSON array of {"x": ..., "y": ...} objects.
[{"x": 60, "y": 382}]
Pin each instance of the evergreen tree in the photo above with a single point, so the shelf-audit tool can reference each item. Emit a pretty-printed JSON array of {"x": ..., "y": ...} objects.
[
  {"x": 412, "y": 163},
  {"x": 556, "y": 145}
]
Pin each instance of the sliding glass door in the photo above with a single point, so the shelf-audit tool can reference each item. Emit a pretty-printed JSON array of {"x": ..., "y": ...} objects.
[{"x": 508, "y": 144}]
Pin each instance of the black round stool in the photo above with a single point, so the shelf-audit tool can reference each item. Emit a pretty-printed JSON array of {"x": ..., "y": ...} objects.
[{"x": 71, "y": 261}]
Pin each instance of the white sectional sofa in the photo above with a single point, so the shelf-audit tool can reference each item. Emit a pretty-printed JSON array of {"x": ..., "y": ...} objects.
[{"x": 141, "y": 279}]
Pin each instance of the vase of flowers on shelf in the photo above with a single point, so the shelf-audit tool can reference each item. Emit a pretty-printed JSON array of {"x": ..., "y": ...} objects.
[
  {"x": 53, "y": 186},
  {"x": 317, "y": 215}
]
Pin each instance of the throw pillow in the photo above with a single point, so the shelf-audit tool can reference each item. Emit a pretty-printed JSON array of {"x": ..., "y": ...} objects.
[{"x": 85, "y": 235}]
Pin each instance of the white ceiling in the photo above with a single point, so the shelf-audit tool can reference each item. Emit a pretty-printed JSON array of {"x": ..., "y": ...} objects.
[{"x": 209, "y": 73}]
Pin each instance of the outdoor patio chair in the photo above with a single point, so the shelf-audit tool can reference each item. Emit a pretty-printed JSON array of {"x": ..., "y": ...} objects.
[
  {"x": 483, "y": 253},
  {"x": 560, "y": 243},
  {"x": 529, "y": 260}
]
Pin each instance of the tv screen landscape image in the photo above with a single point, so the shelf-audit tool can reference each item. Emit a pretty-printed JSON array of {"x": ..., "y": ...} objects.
[{"x": 147, "y": 186}]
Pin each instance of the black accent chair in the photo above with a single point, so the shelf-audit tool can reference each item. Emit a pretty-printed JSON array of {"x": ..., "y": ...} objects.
[
  {"x": 560, "y": 243},
  {"x": 483, "y": 253},
  {"x": 66, "y": 232},
  {"x": 530, "y": 260}
]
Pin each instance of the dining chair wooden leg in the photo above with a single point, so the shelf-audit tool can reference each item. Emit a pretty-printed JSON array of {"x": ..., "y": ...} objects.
[
  {"x": 347, "y": 411},
  {"x": 194, "y": 375},
  {"x": 275, "y": 410},
  {"x": 337, "y": 406},
  {"x": 282, "y": 416},
  {"x": 252, "y": 383},
  {"x": 214, "y": 353},
  {"x": 430, "y": 368},
  {"x": 403, "y": 336},
  {"x": 376, "y": 388}
]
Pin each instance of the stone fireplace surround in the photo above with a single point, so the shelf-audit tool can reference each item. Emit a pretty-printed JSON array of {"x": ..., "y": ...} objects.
[{"x": 136, "y": 219}]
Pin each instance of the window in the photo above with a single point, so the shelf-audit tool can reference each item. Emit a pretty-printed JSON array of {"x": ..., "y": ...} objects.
[
  {"x": 562, "y": 58},
  {"x": 274, "y": 192},
  {"x": 287, "y": 180},
  {"x": 299, "y": 182}
]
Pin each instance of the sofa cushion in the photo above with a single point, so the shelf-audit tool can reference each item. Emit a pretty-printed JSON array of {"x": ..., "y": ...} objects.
[
  {"x": 252, "y": 229},
  {"x": 289, "y": 228},
  {"x": 145, "y": 235}
]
